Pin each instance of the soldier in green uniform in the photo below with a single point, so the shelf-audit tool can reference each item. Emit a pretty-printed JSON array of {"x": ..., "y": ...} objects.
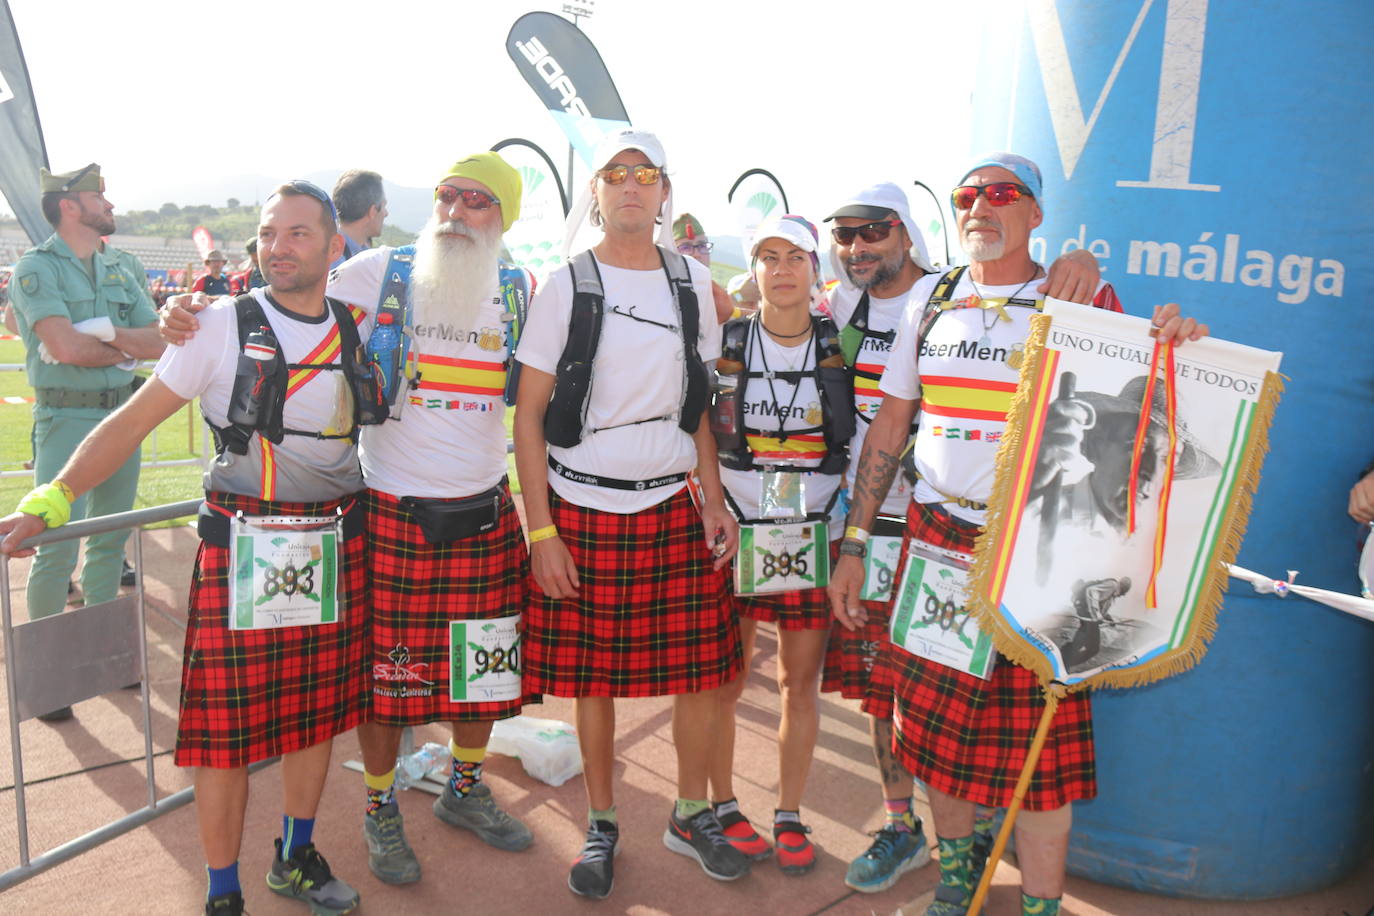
[{"x": 85, "y": 320}]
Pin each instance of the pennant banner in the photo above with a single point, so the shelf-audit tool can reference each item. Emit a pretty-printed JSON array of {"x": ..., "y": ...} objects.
[
  {"x": 1101, "y": 562},
  {"x": 21, "y": 137},
  {"x": 534, "y": 240},
  {"x": 754, "y": 197},
  {"x": 566, "y": 72}
]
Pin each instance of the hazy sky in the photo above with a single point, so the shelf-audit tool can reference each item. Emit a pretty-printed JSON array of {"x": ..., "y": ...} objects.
[{"x": 163, "y": 93}]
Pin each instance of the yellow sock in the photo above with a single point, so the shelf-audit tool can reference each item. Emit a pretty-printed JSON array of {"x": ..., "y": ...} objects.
[
  {"x": 380, "y": 783},
  {"x": 467, "y": 754}
]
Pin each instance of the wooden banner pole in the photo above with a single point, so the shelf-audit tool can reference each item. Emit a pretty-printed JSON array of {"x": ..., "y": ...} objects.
[{"x": 1052, "y": 694}]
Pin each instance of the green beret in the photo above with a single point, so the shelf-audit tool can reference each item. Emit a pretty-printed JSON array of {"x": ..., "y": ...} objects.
[{"x": 87, "y": 179}]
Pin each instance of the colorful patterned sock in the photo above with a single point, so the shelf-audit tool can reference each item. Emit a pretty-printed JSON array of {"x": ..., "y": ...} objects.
[
  {"x": 689, "y": 808},
  {"x": 223, "y": 880},
  {"x": 295, "y": 833},
  {"x": 381, "y": 790},
  {"x": 900, "y": 817},
  {"x": 596, "y": 814},
  {"x": 467, "y": 768},
  {"x": 984, "y": 838},
  {"x": 955, "y": 891},
  {"x": 1039, "y": 906}
]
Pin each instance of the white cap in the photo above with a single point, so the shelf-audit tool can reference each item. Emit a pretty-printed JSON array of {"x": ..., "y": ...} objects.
[
  {"x": 876, "y": 202},
  {"x": 612, "y": 145},
  {"x": 784, "y": 228}
]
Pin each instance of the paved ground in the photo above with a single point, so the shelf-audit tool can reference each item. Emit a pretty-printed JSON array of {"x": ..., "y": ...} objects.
[{"x": 79, "y": 777}]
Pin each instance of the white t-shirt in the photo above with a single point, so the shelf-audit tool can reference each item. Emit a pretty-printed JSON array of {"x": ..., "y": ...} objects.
[
  {"x": 637, "y": 376},
  {"x": 883, "y": 317},
  {"x": 798, "y": 407},
  {"x": 968, "y": 372},
  {"x": 302, "y": 468},
  {"x": 450, "y": 439}
]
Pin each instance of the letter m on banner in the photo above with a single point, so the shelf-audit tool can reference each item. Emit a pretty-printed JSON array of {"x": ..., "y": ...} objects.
[{"x": 1180, "y": 79}]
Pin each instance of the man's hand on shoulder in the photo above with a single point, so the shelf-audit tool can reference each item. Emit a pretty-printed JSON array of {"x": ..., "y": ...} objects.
[
  {"x": 177, "y": 322},
  {"x": 1073, "y": 277}
]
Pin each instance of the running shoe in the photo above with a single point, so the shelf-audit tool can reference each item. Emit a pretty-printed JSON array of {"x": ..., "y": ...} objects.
[
  {"x": 306, "y": 877},
  {"x": 796, "y": 855},
  {"x": 593, "y": 871},
  {"x": 230, "y": 904},
  {"x": 388, "y": 853},
  {"x": 477, "y": 811},
  {"x": 699, "y": 837},
  {"x": 740, "y": 832},
  {"x": 893, "y": 853}
]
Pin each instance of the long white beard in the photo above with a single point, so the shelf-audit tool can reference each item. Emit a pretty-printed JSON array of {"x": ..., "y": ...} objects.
[{"x": 453, "y": 277}]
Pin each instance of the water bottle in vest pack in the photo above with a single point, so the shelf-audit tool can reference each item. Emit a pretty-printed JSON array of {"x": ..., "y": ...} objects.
[
  {"x": 256, "y": 380},
  {"x": 385, "y": 348}
]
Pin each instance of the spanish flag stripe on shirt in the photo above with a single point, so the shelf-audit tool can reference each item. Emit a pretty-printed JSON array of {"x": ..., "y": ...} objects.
[
  {"x": 998, "y": 416},
  {"x": 950, "y": 397},
  {"x": 468, "y": 376},
  {"x": 866, "y": 386},
  {"x": 794, "y": 447}
]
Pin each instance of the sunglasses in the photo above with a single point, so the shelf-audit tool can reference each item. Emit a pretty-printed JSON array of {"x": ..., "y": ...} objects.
[
  {"x": 998, "y": 194},
  {"x": 310, "y": 189},
  {"x": 869, "y": 232},
  {"x": 644, "y": 174},
  {"x": 473, "y": 199},
  {"x": 703, "y": 247}
]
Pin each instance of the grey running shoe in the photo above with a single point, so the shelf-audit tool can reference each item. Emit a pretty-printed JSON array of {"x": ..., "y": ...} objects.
[
  {"x": 306, "y": 877},
  {"x": 893, "y": 854},
  {"x": 477, "y": 811},
  {"x": 700, "y": 837},
  {"x": 593, "y": 871},
  {"x": 388, "y": 854}
]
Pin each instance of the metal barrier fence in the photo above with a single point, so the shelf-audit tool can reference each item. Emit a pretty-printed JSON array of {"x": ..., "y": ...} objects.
[
  {"x": 150, "y": 444},
  {"x": 103, "y": 647}
]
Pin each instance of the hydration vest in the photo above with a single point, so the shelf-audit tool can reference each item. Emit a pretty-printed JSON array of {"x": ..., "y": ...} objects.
[
  {"x": 260, "y": 382},
  {"x": 834, "y": 385},
  {"x": 566, "y": 419},
  {"x": 394, "y": 300}
]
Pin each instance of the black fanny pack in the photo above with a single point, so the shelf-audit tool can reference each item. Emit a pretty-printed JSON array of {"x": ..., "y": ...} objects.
[{"x": 443, "y": 521}]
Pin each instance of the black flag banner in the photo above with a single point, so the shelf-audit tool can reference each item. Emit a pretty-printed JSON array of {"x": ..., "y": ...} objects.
[
  {"x": 21, "y": 139},
  {"x": 565, "y": 70}
]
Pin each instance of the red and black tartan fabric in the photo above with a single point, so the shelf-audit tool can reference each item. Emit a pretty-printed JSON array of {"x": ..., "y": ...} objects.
[
  {"x": 651, "y": 618},
  {"x": 416, "y": 589},
  {"x": 852, "y": 661},
  {"x": 968, "y": 737},
  {"x": 247, "y": 695},
  {"x": 803, "y": 609}
]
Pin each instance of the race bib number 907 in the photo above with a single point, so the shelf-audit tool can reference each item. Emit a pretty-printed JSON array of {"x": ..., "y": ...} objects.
[{"x": 930, "y": 617}]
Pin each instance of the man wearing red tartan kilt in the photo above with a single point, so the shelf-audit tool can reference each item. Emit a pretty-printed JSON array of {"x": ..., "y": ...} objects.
[
  {"x": 252, "y": 686},
  {"x": 963, "y": 736},
  {"x": 446, "y": 554},
  {"x": 629, "y": 597}
]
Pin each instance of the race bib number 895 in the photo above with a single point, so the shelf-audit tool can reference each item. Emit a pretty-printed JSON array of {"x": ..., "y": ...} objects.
[{"x": 777, "y": 557}]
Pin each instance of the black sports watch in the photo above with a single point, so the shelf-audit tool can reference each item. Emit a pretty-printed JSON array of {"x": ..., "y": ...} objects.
[{"x": 852, "y": 548}]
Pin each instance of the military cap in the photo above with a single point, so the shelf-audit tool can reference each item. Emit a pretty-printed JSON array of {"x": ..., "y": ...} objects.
[{"x": 84, "y": 179}]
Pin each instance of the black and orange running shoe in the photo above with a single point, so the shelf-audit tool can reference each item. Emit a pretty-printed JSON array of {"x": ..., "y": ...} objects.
[{"x": 740, "y": 832}]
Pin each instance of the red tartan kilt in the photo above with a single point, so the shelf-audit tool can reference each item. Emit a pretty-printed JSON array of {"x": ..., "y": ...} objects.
[
  {"x": 417, "y": 588},
  {"x": 854, "y": 661},
  {"x": 247, "y": 695},
  {"x": 968, "y": 737},
  {"x": 651, "y": 618},
  {"x": 803, "y": 609}
]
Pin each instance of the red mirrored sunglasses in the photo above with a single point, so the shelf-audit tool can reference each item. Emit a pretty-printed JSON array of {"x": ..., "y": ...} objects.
[
  {"x": 473, "y": 199},
  {"x": 998, "y": 194}
]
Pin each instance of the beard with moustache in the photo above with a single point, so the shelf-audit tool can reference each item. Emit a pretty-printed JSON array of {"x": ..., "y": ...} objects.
[
  {"x": 979, "y": 248},
  {"x": 454, "y": 274},
  {"x": 885, "y": 271}
]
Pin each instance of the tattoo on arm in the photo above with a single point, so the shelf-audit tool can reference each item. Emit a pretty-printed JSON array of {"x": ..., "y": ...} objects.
[{"x": 877, "y": 470}]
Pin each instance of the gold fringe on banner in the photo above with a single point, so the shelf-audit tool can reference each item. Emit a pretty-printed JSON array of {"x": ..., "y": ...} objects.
[{"x": 1202, "y": 627}]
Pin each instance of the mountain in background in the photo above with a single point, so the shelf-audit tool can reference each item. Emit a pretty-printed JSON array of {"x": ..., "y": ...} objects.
[{"x": 409, "y": 207}]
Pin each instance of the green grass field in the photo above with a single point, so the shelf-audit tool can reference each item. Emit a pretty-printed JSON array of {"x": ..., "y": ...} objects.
[{"x": 179, "y": 437}]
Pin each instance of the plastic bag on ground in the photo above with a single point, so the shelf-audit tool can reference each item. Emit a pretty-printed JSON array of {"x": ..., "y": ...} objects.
[{"x": 547, "y": 748}]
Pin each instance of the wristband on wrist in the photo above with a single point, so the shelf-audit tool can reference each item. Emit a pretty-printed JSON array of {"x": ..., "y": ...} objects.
[
  {"x": 852, "y": 548},
  {"x": 543, "y": 534},
  {"x": 855, "y": 533},
  {"x": 52, "y": 502}
]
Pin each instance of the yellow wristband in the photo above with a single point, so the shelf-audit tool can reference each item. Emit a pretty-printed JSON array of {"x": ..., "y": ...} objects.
[
  {"x": 52, "y": 502},
  {"x": 543, "y": 534},
  {"x": 855, "y": 533}
]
